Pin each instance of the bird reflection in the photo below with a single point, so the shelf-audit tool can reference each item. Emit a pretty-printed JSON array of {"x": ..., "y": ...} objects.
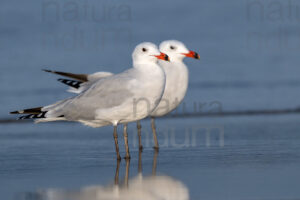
[{"x": 151, "y": 187}]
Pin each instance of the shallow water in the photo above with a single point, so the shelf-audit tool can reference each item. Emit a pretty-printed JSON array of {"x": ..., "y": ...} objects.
[{"x": 228, "y": 158}]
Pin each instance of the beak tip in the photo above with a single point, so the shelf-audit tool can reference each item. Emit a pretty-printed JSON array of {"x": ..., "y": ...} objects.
[
  {"x": 196, "y": 55},
  {"x": 163, "y": 56},
  {"x": 192, "y": 54},
  {"x": 167, "y": 58}
]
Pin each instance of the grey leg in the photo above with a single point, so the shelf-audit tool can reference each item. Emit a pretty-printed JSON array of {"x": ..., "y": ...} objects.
[
  {"x": 116, "y": 143},
  {"x": 139, "y": 128},
  {"x": 117, "y": 173},
  {"x": 154, "y": 134},
  {"x": 127, "y": 172},
  {"x": 140, "y": 161},
  {"x": 126, "y": 142},
  {"x": 154, "y": 164}
]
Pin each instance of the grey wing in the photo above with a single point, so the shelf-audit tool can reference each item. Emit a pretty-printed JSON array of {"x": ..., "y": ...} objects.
[{"x": 106, "y": 93}]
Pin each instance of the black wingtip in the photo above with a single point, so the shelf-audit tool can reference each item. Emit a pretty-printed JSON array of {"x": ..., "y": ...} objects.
[
  {"x": 63, "y": 80},
  {"x": 36, "y": 110},
  {"x": 33, "y": 116},
  {"x": 24, "y": 117},
  {"x": 71, "y": 83},
  {"x": 20, "y": 118},
  {"x": 47, "y": 70},
  {"x": 17, "y": 112}
]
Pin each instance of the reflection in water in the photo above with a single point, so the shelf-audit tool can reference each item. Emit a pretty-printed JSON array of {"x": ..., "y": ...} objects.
[{"x": 138, "y": 188}]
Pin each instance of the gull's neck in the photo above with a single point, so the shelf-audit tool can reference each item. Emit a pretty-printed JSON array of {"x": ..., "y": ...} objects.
[
  {"x": 144, "y": 64},
  {"x": 149, "y": 69},
  {"x": 176, "y": 59}
]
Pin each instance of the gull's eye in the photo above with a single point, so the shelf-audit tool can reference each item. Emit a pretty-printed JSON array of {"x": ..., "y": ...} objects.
[
  {"x": 144, "y": 49},
  {"x": 172, "y": 47}
]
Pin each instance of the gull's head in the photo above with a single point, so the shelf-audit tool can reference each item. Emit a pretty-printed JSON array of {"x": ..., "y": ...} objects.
[
  {"x": 176, "y": 50},
  {"x": 146, "y": 53}
]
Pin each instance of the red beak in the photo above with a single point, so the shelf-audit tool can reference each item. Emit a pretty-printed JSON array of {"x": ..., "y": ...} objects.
[
  {"x": 192, "y": 54},
  {"x": 163, "y": 56}
]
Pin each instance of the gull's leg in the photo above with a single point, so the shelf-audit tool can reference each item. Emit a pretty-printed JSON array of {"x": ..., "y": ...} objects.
[
  {"x": 139, "y": 129},
  {"x": 154, "y": 164},
  {"x": 154, "y": 134},
  {"x": 117, "y": 173},
  {"x": 126, "y": 142},
  {"x": 127, "y": 172},
  {"x": 116, "y": 143},
  {"x": 140, "y": 161}
]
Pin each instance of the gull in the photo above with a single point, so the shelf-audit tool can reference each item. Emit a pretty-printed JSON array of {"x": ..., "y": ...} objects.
[
  {"x": 175, "y": 88},
  {"x": 114, "y": 99},
  {"x": 177, "y": 77}
]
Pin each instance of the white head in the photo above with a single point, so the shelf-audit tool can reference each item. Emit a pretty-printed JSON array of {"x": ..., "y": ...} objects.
[
  {"x": 176, "y": 50},
  {"x": 147, "y": 53}
]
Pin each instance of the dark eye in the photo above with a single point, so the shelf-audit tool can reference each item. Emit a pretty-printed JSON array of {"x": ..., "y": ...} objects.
[
  {"x": 172, "y": 47},
  {"x": 144, "y": 49}
]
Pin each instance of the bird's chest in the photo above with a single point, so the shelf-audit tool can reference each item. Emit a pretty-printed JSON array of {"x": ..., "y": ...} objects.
[{"x": 176, "y": 84}]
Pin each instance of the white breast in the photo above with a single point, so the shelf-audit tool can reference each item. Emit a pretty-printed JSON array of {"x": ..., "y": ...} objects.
[{"x": 175, "y": 88}]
